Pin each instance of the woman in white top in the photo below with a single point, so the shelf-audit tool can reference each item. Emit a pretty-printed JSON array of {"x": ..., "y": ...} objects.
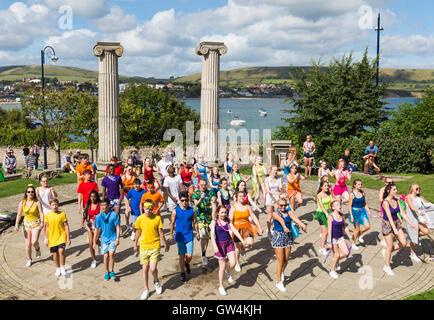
[
  {"x": 308, "y": 150},
  {"x": 273, "y": 187},
  {"x": 417, "y": 216},
  {"x": 44, "y": 194}
]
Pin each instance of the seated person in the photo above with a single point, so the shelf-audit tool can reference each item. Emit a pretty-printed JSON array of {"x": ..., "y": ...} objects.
[
  {"x": 30, "y": 159},
  {"x": 370, "y": 150},
  {"x": 371, "y": 167},
  {"x": 348, "y": 163},
  {"x": 10, "y": 162},
  {"x": 76, "y": 158},
  {"x": 67, "y": 165}
]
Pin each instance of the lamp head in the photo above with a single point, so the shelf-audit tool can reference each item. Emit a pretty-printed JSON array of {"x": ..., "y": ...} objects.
[{"x": 54, "y": 58}]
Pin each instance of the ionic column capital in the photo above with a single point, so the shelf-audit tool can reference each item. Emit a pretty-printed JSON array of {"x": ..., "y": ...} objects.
[
  {"x": 101, "y": 47},
  {"x": 205, "y": 47}
]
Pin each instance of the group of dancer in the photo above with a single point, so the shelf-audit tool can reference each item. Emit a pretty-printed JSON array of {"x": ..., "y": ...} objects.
[{"x": 213, "y": 206}]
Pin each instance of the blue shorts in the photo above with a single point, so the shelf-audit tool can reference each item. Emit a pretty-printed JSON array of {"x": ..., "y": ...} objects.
[
  {"x": 108, "y": 247},
  {"x": 185, "y": 247},
  {"x": 115, "y": 203}
]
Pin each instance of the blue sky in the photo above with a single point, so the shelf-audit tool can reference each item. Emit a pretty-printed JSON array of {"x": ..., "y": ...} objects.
[{"x": 159, "y": 37}]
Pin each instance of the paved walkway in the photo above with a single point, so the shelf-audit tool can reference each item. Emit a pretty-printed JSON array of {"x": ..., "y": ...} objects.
[{"x": 307, "y": 276}]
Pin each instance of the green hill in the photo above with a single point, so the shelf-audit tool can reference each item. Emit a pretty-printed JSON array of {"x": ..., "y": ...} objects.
[{"x": 405, "y": 79}]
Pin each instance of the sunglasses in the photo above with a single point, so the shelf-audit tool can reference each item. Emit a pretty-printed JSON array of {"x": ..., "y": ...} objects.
[
  {"x": 282, "y": 205},
  {"x": 184, "y": 200},
  {"x": 30, "y": 191}
]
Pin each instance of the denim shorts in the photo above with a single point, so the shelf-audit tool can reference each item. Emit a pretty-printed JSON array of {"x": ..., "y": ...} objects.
[
  {"x": 108, "y": 247},
  {"x": 185, "y": 247}
]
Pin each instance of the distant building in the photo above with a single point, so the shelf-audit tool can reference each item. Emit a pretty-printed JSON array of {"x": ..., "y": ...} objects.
[
  {"x": 159, "y": 86},
  {"x": 35, "y": 81},
  {"x": 122, "y": 87}
]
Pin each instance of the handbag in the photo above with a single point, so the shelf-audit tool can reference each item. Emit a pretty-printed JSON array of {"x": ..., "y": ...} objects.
[{"x": 294, "y": 230}]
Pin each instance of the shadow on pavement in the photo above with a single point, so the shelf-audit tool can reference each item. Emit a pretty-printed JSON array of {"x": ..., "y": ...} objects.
[
  {"x": 304, "y": 269},
  {"x": 304, "y": 250}
]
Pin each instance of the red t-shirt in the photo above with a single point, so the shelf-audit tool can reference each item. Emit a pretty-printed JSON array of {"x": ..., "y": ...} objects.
[
  {"x": 148, "y": 173},
  {"x": 119, "y": 170},
  {"x": 85, "y": 188}
]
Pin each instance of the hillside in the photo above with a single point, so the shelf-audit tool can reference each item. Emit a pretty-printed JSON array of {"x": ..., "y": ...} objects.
[{"x": 400, "y": 79}]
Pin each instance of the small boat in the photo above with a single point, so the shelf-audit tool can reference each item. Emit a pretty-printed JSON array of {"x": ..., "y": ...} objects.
[
  {"x": 236, "y": 121},
  {"x": 262, "y": 112},
  {"x": 229, "y": 111}
]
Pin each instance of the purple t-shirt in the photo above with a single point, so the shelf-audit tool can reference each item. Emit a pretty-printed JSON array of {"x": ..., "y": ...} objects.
[{"x": 112, "y": 184}]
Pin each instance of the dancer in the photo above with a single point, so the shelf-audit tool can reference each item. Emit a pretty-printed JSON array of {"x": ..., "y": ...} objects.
[
  {"x": 132, "y": 203},
  {"x": 293, "y": 191},
  {"x": 201, "y": 170},
  {"x": 391, "y": 226},
  {"x": 416, "y": 214},
  {"x": 112, "y": 189},
  {"x": 214, "y": 179},
  {"x": 84, "y": 165},
  {"x": 119, "y": 170},
  {"x": 387, "y": 181},
  {"x": 240, "y": 214},
  {"x": 259, "y": 172},
  {"x": 224, "y": 195},
  {"x": 224, "y": 245},
  {"x": 283, "y": 239},
  {"x": 335, "y": 237},
  {"x": 150, "y": 230},
  {"x": 237, "y": 176},
  {"x": 57, "y": 235},
  {"x": 228, "y": 165},
  {"x": 308, "y": 150},
  {"x": 286, "y": 164},
  {"x": 273, "y": 188},
  {"x": 153, "y": 195},
  {"x": 186, "y": 173},
  {"x": 359, "y": 212},
  {"x": 45, "y": 193},
  {"x": 184, "y": 219},
  {"x": 242, "y": 187},
  {"x": 204, "y": 200},
  {"x": 323, "y": 199},
  {"x": 128, "y": 179},
  {"x": 84, "y": 190},
  {"x": 33, "y": 222},
  {"x": 90, "y": 212},
  {"x": 323, "y": 171},
  {"x": 341, "y": 175},
  {"x": 148, "y": 174},
  {"x": 107, "y": 226},
  {"x": 172, "y": 187}
]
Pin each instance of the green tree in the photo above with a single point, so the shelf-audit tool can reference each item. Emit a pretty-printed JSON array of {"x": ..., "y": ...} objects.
[
  {"x": 336, "y": 102},
  {"x": 146, "y": 113}
]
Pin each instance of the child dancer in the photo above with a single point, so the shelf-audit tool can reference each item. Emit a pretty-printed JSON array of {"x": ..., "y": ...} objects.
[
  {"x": 323, "y": 199},
  {"x": 359, "y": 212},
  {"x": 91, "y": 210}
]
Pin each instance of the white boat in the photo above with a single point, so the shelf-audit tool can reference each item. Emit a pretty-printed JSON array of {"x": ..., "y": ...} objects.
[
  {"x": 237, "y": 122},
  {"x": 262, "y": 112}
]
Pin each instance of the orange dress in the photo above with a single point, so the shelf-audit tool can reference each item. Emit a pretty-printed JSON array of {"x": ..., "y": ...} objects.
[
  {"x": 128, "y": 183},
  {"x": 293, "y": 188},
  {"x": 242, "y": 223}
]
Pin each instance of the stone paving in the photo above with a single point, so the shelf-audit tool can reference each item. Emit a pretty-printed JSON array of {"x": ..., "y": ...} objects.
[{"x": 307, "y": 276}]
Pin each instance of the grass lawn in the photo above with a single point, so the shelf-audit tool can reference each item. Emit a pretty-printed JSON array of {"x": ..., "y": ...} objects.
[{"x": 427, "y": 295}]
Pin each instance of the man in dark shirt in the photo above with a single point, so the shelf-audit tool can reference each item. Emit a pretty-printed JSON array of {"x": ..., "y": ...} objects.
[{"x": 349, "y": 164}]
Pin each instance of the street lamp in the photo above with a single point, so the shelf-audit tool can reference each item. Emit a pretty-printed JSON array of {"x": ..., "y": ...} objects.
[
  {"x": 54, "y": 58},
  {"x": 379, "y": 28}
]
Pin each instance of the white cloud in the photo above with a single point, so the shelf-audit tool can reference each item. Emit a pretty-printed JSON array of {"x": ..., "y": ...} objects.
[
  {"x": 419, "y": 45},
  {"x": 115, "y": 21},
  {"x": 74, "y": 45},
  {"x": 84, "y": 8}
]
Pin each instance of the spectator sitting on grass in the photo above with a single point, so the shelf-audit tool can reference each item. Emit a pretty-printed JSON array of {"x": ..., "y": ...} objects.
[
  {"x": 10, "y": 162},
  {"x": 349, "y": 164},
  {"x": 67, "y": 165},
  {"x": 371, "y": 167},
  {"x": 371, "y": 152}
]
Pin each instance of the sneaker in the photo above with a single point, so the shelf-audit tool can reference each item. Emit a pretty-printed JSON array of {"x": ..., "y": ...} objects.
[
  {"x": 133, "y": 236},
  {"x": 230, "y": 279},
  {"x": 62, "y": 270},
  {"x": 29, "y": 263},
  {"x": 112, "y": 275},
  {"x": 187, "y": 268},
  {"x": 322, "y": 251},
  {"x": 144, "y": 295},
  {"x": 57, "y": 273},
  {"x": 38, "y": 253},
  {"x": 158, "y": 287},
  {"x": 222, "y": 291},
  {"x": 414, "y": 257},
  {"x": 354, "y": 247},
  {"x": 183, "y": 278},
  {"x": 388, "y": 270},
  {"x": 333, "y": 274},
  {"x": 383, "y": 252},
  {"x": 237, "y": 268},
  {"x": 280, "y": 286},
  {"x": 383, "y": 243},
  {"x": 361, "y": 239},
  {"x": 204, "y": 261},
  {"x": 107, "y": 276},
  {"x": 93, "y": 264}
]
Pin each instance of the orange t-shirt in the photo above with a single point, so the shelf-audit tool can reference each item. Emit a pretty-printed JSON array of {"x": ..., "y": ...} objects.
[
  {"x": 81, "y": 168},
  {"x": 156, "y": 197},
  {"x": 128, "y": 183},
  {"x": 295, "y": 185}
]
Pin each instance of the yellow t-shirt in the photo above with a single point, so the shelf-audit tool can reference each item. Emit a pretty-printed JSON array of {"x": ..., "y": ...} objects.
[
  {"x": 150, "y": 237},
  {"x": 56, "y": 228}
]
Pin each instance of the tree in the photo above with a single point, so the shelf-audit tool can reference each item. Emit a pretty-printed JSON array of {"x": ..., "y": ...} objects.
[
  {"x": 59, "y": 111},
  {"x": 146, "y": 113},
  {"x": 336, "y": 102},
  {"x": 85, "y": 119}
]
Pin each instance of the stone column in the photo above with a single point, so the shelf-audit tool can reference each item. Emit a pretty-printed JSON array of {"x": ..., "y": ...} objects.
[
  {"x": 209, "y": 99},
  {"x": 108, "y": 100}
]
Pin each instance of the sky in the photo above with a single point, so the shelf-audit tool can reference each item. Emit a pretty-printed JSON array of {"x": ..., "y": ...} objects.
[{"x": 160, "y": 37}]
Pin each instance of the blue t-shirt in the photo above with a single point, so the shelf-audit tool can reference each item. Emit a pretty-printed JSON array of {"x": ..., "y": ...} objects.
[
  {"x": 135, "y": 197},
  {"x": 370, "y": 150},
  {"x": 112, "y": 184},
  {"x": 107, "y": 222},
  {"x": 183, "y": 224}
]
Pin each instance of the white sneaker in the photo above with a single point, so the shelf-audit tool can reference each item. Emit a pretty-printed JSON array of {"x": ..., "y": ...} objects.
[
  {"x": 280, "y": 286},
  {"x": 57, "y": 273},
  {"x": 383, "y": 252},
  {"x": 333, "y": 274},
  {"x": 237, "y": 268},
  {"x": 222, "y": 291},
  {"x": 144, "y": 295},
  {"x": 322, "y": 251},
  {"x": 361, "y": 239},
  {"x": 204, "y": 261},
  {"x": 158, "y": 288},
  {"x": 354, "y": 247},
  {"x": 29, "y": 263},
  {"x": 414, "y": 257},
  {"x": 388, "y": 270},
  {"x": 230, "y": 279},
  {"x": 62, "y": 270},
  {"x": 133, "y": 236},
  {"x": 93, "y": 264},
  {"x": 383, "y": 243}
]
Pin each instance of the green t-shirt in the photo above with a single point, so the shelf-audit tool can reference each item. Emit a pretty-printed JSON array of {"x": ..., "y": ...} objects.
[{"x": 204, "y": 209}]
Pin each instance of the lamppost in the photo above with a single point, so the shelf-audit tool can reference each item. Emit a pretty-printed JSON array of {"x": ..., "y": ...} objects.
[
  {"x": 54, "y": 58},
  {"x": 378, "y": 29}
]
